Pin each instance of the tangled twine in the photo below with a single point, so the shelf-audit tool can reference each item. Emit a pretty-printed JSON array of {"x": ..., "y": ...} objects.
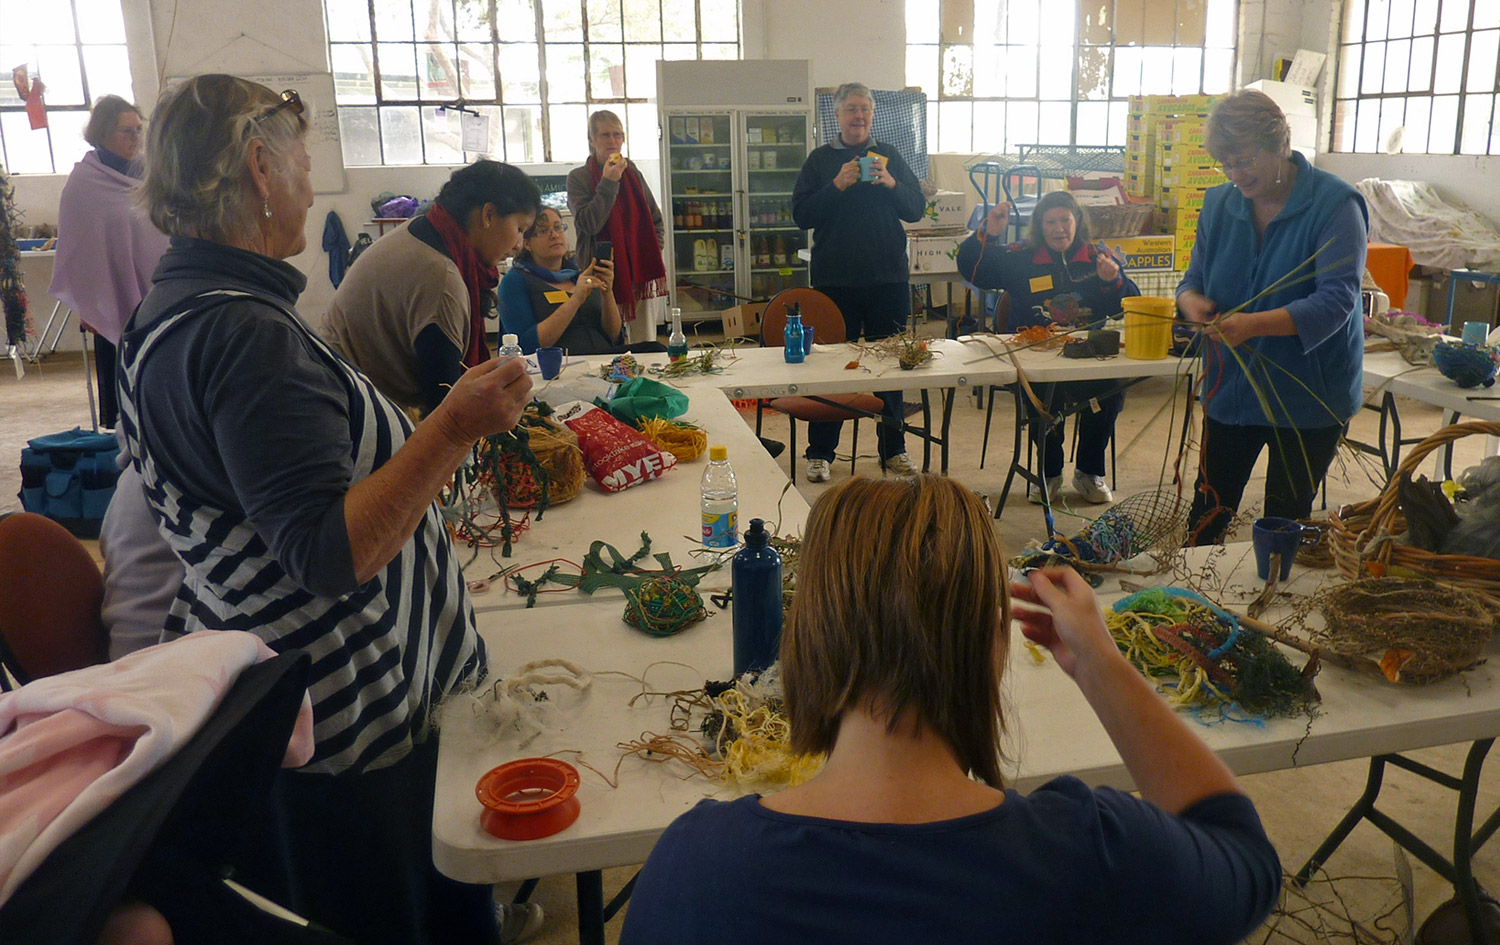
[
  {"x": 511, "y": 706},
  {"x": 1041, "y": 337},
  {"x": 662, "y": 606},
  {"x": 683, "y": 440}
]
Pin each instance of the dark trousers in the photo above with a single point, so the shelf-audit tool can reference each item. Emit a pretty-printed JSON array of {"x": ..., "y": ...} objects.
[
  {"x": 1095, "y": 427},
  {"x": 1298, "y": 462},
  {"x": 870, "y": 312},
  {"x": 104, "y": 369},
  {"x": 356, "y": 854}
]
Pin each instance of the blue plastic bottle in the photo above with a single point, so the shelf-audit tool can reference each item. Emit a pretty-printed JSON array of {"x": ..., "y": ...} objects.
[
  {"x": 795, "y": 347},
  {"x": 756, "y": 579}
]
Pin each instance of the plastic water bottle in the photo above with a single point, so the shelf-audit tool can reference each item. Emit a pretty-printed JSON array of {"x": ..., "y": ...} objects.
[
  {"x": 510, "y": 347},
  {"x": 677, "y": 347},
  {"x": 756, "y": 579},
  {"x": 721, "y": 501},
  {"x": 795, "y": 345}
]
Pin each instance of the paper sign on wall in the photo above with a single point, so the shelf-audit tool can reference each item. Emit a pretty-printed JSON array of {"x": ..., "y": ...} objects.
[{"x": 476, "y": 132}]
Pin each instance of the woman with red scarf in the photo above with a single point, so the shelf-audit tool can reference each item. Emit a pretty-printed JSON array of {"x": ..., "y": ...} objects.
[
  {"x": 408, "y": 314},
  {"x": 610, "y": 202}
]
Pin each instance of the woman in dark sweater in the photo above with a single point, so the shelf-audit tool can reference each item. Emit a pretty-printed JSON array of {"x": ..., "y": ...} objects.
[{"x": 545, "y": 300}]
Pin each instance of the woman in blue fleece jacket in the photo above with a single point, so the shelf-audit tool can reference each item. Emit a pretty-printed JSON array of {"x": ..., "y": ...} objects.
[{"x": 1284, "y": 370}]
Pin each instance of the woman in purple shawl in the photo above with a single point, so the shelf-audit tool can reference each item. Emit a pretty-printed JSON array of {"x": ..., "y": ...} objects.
[{"x": 106, "y": 247}]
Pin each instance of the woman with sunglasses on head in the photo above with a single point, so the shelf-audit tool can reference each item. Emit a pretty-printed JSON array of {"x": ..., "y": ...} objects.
[
  {"x": 1274, "y": 281},
  {"x": 108, "y": 246},
  {"x": 546, "y": 301},
  {"x": 892, "y": 663},
  {"x": 409, "y": 313},
  {"x": 301, "y": 503}
]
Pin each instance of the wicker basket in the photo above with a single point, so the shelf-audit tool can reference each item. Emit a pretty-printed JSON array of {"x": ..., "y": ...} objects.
[
  {"x": 1360, "y": 536},
  {"x": 1125, "y": 219}
]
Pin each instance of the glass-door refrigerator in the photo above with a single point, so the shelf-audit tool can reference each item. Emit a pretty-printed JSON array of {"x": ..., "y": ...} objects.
[{"x": 734, "y": 137}]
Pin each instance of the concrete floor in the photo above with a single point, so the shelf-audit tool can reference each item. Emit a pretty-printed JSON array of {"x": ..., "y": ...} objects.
[{"x": 1298, "y": 807}]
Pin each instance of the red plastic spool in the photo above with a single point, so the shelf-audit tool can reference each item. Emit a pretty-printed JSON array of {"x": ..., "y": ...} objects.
[{"x": 528, "y": 799}]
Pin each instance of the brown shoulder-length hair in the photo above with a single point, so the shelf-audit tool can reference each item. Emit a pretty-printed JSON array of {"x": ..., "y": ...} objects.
[
  {"x": 1051, "y": 201},
  {"x": 104, "y": 116},
  {"x": 901, "y": 604},
  {"x": 1247, "y": 118}
]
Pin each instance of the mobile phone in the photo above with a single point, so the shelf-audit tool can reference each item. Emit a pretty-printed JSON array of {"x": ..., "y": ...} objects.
[{"x": 604, "y": 249}]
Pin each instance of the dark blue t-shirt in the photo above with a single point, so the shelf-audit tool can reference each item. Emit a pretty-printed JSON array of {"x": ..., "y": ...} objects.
[{"x": 1065, "y": 865}]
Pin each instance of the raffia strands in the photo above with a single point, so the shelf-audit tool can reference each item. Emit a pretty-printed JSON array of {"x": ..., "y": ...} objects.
[
  {"x": 1420, "y": 630},
  {"x": 682, "y": 440}
]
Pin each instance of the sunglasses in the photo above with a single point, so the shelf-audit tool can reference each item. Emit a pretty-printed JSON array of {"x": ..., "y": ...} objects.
[{"x": 289, "y": 99}]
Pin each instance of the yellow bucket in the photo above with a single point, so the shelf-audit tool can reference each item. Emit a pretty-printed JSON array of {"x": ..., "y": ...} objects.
[{"x": 1148, "y": 326}]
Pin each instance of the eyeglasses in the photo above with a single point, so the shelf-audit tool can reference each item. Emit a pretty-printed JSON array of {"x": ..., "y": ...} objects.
[
  {"x": 541, "y": 229},
  {"x": 134, "y": 131},
  {"x": 1229, "y": 167},
  {"x": 857, "y": 109},
  {"x": 289, "y": 99}
]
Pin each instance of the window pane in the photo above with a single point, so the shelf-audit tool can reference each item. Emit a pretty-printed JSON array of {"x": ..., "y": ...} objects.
[
  {"x": 472, "y": 24},
  {"x": 1020, "y": 124},
  {"x": 1443, "y": 138},
  {"x": 1056, "y": 124},
  {"x": 43, "y": 23},
  {"x": 1450, "y": 63},
  {"x": 398, "y": 72},
  {"x": 1156, "y": 70},
  {"x": 1425, "y": 19},
  {"x": 439, "y": 72},
  {"x": 565, "y": 72},
  {"x": 516, "y": 20},
  {"x": 100, "y": 21},
  {"x": 678, "y": 51},
  {"x": 1401, "y": 18},
  {"x": 1219, "y": 26},
  {"x": 922, "y": 72},
  {"x": 989, "y": 127},
  {"x": 570, "y": 142},
  {"x": 1455, "y": 16},
  {"x": 1348, "y": 79},
  {"x": 1482, "y": 49},
  {"x": 58, "y": 66},
  {"x": 353, "y": 79},
  {"x": 1093, "y": 122},
  {"x": 1354, "y": 21},
  {"x": 679, "y": 21},
  {"x": 1057, "y": 73},
  {"x": 642, "y": 21},
  {"x": 401, "y": 135},
  {"x": 645, "y": 136},
  {"x": 562, "y": 21},
  {"x": 640, "y": 70},
  {"x": 604, "y": 21},
  {"x": 1187, "y": 70},
  {"x": 1377, "y": 19},
  {"x": 442, "y": 132},
  {"x": 520, "y": 74},
  {"x": 1218, "y": 71},
  {"x": 1023, "y": 20},
  {"x": 1093, "y": 72},
  {"x": 68, "y": 146},
  {"x": 1118, "y": 112},
  {"x": 1367, "y": 128},
  {"x": 108, "y": 71},
  {"x": 359, "y": 132},
  {"x": 989, "y": 24},
  {"x": 437, "y": 28},
  {"x": 921, "y": 21},
  {"x": 958, "y": 71},
  {"x": 523, "y": 133},
  {"x": 1475, "y": 138},
  {"x": 1420, "y": 77},
  {"x": 26, "y": 151},
  {"x": 1127, "y": 71},
  {"x": 955, "y": 126},
  {"x": 1374, "y": 72},
  {"x": 724, "y": 51},
  {"x": 932, "y": 127},
  {"x": 606, "y": 70},
  {"x": 1097, "y": 25},
  {"x": 476, "y": 70},
  {"x": 1486, "y": 14},
  {"x": 1392, "y": 116},
  {"x": 721, "y": 20},
  {"x": 393, "y": 20},
  {"x": 1020, "y": 71},
  {"x": 1343, "y": 139},
  {"x": 1397, "y": 62},
  {"x": 1418, "y": 113}
]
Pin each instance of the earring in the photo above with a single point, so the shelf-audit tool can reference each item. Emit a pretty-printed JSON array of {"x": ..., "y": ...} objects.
[
  {"x": 267, "y": 210},
  {"x": 1278, "y": 174}
]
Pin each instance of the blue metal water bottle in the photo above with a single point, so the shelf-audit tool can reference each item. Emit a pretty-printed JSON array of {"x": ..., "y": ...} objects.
[
  {"x": 756, "y": 579},
  {"x": 792, "y": 336}
]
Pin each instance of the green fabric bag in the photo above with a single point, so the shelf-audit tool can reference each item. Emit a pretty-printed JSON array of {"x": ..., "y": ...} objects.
[{"x": 641, "y": 398}]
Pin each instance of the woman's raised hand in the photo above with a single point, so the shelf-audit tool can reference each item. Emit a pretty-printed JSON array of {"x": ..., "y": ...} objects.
[
  {"x": 587, "y": 281},
  {"x": 1108, "y": 268},
  {"x": 488, "y": 398},
  {"x": 998, "y": 219},
  {"x": 1060, "y": 612},
  {"x": 614, "y": 168},
  {"x": 1195, "y": 306},
  {"x": 603, "y": 272}
]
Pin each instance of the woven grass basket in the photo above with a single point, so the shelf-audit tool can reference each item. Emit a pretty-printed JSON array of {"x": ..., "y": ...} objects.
[
  {"x": 1126, "y": 219},
  {"x": 1361, "y": 536}
]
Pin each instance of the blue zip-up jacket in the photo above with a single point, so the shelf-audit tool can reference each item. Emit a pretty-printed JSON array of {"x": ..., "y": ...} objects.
[
  {"x": 858, "y": 239},
  {"x": 1313, "y": 378}
]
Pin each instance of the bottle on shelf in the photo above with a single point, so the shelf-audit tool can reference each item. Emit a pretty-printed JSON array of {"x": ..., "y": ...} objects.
[
  {"x": 710, "y": 253},
  {"x": 677, "y": 346},
  {"x": 755, "y": 576},
  {"x": 762, "y": 252},
  {"x": 726, "y": 255},
  {"x": 792, "y": 337},
  {"x": 510, "y": 347},
  {"x": 778, "y": 251},
  {"x": 720, "y": 500},
  {"x": 700, "y": 254}
]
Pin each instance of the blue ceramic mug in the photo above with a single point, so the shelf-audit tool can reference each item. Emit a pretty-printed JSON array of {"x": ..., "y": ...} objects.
[
  {"x": 1279, "y": 536},
  {"x": 867, "y": 168}
]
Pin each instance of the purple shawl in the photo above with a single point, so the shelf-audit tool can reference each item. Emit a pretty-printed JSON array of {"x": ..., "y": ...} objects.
[{"x": 106, "y": 247}]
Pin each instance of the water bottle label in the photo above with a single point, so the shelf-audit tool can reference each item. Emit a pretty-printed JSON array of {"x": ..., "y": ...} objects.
[{"x": 721, "y": 529}]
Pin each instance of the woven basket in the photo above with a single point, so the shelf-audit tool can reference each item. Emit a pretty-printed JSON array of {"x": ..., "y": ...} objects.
[
  {"x": 1361, "y": 536},
  {"x": 1125, "y": 219}
]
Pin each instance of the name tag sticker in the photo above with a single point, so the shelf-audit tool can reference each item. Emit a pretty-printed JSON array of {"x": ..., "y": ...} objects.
[
  {"x": 1041, "y": 283},
  {"x": 559, "y": 296}
]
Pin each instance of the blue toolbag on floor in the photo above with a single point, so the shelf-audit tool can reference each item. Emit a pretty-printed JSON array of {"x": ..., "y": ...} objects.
[{"x": 70, "y": 478}]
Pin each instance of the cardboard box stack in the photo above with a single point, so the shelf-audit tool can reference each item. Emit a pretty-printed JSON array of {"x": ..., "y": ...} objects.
[
  {"x": 1165, "y": 151},
  {"x": 932, "y": 242}
]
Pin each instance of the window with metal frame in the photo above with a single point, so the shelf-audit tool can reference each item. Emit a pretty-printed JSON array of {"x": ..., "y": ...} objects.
[
  {"x": 77, "y": 49},
  {"x": 1418, "y": 76},
  {"x": 534, "y": 68},
  {"x": 1000, "y": 73}
]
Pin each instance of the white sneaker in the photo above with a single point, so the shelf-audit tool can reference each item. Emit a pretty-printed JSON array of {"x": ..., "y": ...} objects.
[
  {"x": 818, "y": 470},
  {"x": 518, "y": 921},
  {"x": 1093, "y": 489},
  {"x": 900, "y": 465},
  {"x": 1054, "y": 492}
]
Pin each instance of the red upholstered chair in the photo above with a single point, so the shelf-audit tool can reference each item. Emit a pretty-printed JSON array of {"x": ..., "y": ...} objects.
[
  {"x": 50, "y": 594},
  {"x": 827, "y": 322}
]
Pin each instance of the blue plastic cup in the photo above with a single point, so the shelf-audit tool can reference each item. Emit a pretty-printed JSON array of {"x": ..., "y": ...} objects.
[
  {"x": 1278, "y": 536},
  {"x": 807, "y": 336},
  {"x": 550, "y": 361}
]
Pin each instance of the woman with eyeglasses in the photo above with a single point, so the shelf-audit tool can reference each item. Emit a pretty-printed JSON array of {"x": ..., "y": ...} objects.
[
  {"x": 1274, "y": 282},
  {"x": 107, "y": 247},
  {"x": 545, "y": 300},
  {"x": 301, "y": 502},
  {"x": 410, "y": 311}
]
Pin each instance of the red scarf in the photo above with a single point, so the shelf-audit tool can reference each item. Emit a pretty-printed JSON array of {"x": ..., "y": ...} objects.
[
  {"x": 639, "y": 270},
  {"x": 478, "y": 275}
]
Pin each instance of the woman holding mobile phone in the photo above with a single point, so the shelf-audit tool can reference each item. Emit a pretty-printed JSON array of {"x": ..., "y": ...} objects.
[{"x": 547, "y": 300}]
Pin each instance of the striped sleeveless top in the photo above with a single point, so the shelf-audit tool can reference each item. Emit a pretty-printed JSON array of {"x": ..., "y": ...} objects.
[{"x": 381, "y": 656}]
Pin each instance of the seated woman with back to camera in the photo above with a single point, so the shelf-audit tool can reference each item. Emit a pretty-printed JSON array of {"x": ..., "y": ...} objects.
[{"x": 892, "y": 663}]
